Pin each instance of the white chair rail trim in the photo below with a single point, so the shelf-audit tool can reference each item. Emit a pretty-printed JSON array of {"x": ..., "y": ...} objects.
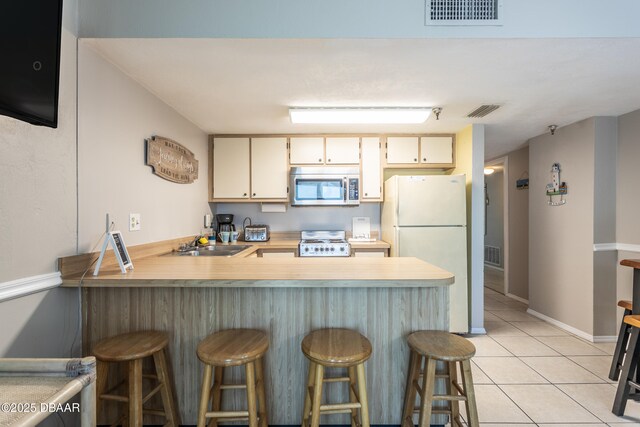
[
  {"x": 29, "y": 285},
  {"x": 627, "y": 247}
]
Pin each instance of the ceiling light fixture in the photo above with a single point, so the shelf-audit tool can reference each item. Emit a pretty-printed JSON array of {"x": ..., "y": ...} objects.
[
  {"x": 552, "y": 129},
  {"x": 436, "y": 111},
  {"x": 489, "y": 171},
  {"x": 359, "y": 115}
]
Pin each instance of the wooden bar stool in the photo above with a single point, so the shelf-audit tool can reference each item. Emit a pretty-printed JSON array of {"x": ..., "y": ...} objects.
[
  {"x": 233, "y": 347},
  {"x": 628, "y": 371},
  {"x": 621, "y": 344},
  {"x": 133, "y": 348},
  {"x": 341, "y": 348},
  {"x": 433, "y": 346}
]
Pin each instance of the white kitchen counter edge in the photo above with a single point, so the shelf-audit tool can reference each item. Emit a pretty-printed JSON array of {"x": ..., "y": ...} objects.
[{"x": 29, "y": 285}]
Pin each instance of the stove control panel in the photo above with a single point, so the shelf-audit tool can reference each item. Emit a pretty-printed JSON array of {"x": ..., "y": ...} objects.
[{"x": 324, "y": 249}]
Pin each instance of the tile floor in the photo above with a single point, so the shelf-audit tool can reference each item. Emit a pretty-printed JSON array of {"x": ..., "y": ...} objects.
[{"x": 529, "y": 373}]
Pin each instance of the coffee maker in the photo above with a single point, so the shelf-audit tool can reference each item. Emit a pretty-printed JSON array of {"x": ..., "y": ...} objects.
[{"x": 225, "y": 223}]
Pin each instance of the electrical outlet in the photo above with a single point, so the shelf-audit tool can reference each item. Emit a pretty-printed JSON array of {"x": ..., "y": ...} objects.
[{"x": 134, "y": 222}]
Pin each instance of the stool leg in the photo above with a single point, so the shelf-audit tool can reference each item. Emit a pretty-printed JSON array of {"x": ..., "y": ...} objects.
[
  {"x": 472, "y": 409},
  {"x": 621, "y": 345},
  {"x": 452, "y": 390},
  {"x": 169, "y": 404},
  {"x": 307, "y": 394},
  {"x": 251, "y": 394},
  {"x": 316, "y": 401},
  {"x": 353, "y": 398},
  {"x": 415, "y": 361},
  {"x": 362, "y": 394},
  {"x": 216, "y": 395},
  {"x": 426, "y": 397},
  {"x": 262, "y": 399},
  {"x": 627, "y": 374},
  {"x": 102, "y": 374},
  {"x": 204, "y": 396},
  {"x": 135, "y": 393}
]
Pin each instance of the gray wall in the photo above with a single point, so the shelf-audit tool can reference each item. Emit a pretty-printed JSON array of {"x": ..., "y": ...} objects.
[
  {"x": 628, "y": 202},
  {"x": 561, "y": 237},
  {"x": 115, "y": 116},
  {"x": 518, "y": 224},
  {"x": 38, "y": 210},
  {"x": 344, "y": 19},
  {"x": 495, "y": 213}
]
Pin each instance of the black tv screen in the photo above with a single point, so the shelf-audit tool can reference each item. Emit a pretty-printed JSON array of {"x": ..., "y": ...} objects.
[{"x": 30, "y": 33}]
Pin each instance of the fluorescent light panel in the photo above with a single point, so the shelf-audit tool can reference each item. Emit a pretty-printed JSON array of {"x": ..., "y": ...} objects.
[{"x": 373, "y": 115}]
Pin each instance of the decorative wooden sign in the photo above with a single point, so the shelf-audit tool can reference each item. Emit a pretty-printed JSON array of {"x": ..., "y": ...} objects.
[{"x": 171, "y": 160}]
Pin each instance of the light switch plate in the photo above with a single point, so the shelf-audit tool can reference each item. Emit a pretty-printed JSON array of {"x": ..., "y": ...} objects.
[{"x": 134, "y": 222}]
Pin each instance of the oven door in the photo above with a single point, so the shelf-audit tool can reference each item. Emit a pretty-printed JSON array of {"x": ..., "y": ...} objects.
[{"x": 318, "y": 190}]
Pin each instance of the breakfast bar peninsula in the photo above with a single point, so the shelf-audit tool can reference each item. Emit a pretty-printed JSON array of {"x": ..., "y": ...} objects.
[{"x": 189, "y": 297}]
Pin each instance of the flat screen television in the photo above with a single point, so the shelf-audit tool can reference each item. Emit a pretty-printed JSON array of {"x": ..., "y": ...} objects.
[{"x": 30, "y": 35}]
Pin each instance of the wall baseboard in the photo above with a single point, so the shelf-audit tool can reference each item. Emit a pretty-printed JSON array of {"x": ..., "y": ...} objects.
[
  {"x": 517, "y": 298},
  {"x": 478, "y": 331},
  {"x": 493, "y": 267},
  {"x": 29, "y": 285},
  {"x": 561, "y": 325},
  {"x": 627, "y": 247}
]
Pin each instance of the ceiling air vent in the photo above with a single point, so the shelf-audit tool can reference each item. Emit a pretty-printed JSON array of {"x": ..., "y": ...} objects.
[
  {"x": 483, "y": 110},
  {"x": 463, "y": 12}
]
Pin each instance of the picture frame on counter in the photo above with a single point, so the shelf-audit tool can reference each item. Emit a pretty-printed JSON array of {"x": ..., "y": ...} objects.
[{"x": 115, "y": 240}]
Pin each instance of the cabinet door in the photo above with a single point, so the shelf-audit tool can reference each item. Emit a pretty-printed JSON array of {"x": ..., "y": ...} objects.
[
  {"x": 307, "y": 151},
  {"x": 402, "y": 149},
  {"x": 231, "y": 168},
  {"x": 371, "y": 171},
  {"x": 369, "y": 254},
  {"x": 269, "y": 168},
  {"x": 436, "y": 149},
  {"x": 343, "y": 151}
]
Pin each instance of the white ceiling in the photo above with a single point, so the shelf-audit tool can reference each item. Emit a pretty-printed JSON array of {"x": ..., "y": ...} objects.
[{"x": 247, "y": 85}]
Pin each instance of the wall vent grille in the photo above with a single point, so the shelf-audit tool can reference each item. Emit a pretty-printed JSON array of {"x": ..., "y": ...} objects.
[
  {"x": 492, "y": 255},
  {"x": 464, "y": 12},
  {"x": 483, "y": 110}
]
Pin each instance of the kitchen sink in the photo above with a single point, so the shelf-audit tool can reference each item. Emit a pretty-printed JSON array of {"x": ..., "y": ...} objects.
[{"x": 217, "y": 250}]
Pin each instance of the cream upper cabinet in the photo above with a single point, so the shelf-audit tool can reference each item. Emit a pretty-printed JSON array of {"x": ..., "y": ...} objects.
[
  {"x": 402, "y": 149},
  {"x": 371, "y": 169},
  {"x": 231, "y": 168},
  {"x": 436, "y": 149},
  {"x": 307, "y": 151},
  {"x": 343, "y": 151},
  {"x": 269, "y": 168}
]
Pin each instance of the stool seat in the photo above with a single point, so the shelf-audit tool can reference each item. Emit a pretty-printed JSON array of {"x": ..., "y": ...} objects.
[
  {"x": 441, "y": 345},
  {"x": 626, "y": 304},
  {"x": 336, "y": 347},
  {"x": 233, "y": 347},
  {"x": 130, "y": 346},
  {"x": 633, "y": 320}
]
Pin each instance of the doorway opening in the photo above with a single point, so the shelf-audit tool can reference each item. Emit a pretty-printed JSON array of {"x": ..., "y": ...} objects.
[{"x": 496, "y": 226}]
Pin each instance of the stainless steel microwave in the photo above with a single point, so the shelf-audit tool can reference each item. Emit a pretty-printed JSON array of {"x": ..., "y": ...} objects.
[{"x": 325, "y": 186}]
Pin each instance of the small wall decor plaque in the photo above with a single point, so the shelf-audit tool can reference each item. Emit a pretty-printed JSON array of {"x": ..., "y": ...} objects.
[
  {"x": 171, "y": 160},
  {"x": 556, "y": 187}
]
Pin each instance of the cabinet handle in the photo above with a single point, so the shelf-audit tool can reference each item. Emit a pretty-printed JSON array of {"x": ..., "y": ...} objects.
[
  {"x": 254, "y": 194},
  {"x": 244, "y": 195},
  {"x": 424, "y": 159},
  {"x": 320, "y": 160},
  {"x": 366, "y": 194},
  {"x": 415, "y": 160},
  {"x": 328, "y": 160}
]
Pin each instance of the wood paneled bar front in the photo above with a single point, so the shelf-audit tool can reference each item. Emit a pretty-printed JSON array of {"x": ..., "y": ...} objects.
[{"x": 385, "y": 299}]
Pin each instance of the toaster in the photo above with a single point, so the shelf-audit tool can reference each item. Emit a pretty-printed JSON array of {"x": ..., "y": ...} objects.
[{"x": 256, "y": 233}]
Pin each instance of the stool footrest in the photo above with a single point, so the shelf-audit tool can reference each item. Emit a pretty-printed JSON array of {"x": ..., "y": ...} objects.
[
  {"x": 228, "y": 414},
  {"x": 232, "y": 386},
  {"x": 634, "y": 384},
  {"x": 114, "y": 397},
  {"x": 340, "y": 406},
  {"x": 336, "y": 380},
  {"x": 152, "y": 393},
  {"x": 459, "y": 388}
]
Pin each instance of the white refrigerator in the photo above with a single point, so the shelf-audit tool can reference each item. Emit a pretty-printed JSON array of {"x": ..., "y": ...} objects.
[{"x": 426, "y": 217}]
